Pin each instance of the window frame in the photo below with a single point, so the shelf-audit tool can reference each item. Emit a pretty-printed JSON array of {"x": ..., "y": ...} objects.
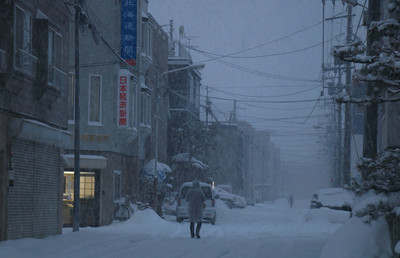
[
  {"x": 117, "y": 196},
  {"x": 90, "y": 122},
  {"x": 147, "y": 38},
  {"x": 56, "y": 67},
  {"x": 29, "y": 52},
  {"x": 134, "y": 107},
  {"x": 145, "y": 107},
  {"x": 71, "y": 74}
]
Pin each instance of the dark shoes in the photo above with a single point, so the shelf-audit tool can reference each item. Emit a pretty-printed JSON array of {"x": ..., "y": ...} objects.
[{"x": 197, "y": 230}]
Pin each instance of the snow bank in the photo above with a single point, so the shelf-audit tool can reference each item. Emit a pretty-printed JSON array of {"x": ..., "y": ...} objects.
[
  {"x": 368, "y": 198},
  {"x": 255, "y": 231},
  {"x": 326, "y": 214},
  {"x": 146, "y": 222},
  {"x": 355, "y": 239},
  {"x": 335, "y": 197}
]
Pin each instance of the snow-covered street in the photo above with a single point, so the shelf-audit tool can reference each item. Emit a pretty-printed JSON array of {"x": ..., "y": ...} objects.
[{"x": 263, "y": 230}]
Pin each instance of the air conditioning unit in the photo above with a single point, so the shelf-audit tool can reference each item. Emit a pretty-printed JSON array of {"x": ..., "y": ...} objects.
[{"x": 3, "y": 61}]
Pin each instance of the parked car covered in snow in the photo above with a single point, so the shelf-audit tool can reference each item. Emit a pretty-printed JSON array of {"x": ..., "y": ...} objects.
[
  {"x": 333, "y": 198},
  {"x": 231, "y": 200},
  {"x": 209, "y": 213}
]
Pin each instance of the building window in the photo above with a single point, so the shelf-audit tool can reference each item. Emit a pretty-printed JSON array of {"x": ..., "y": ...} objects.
[
  {"x": 86, "y": 185},
  {"x": 71, "y": 97},
  {"x": 117, "y": 185},
  {"x": 147, "y": 39},
  {"x": 56, "y": 76},
  {"x": 145, "y": 108},
  {"x": 24, "y": 61},
  {"x": 134, "y": 106},
  {"x": 95, "y": 99}
]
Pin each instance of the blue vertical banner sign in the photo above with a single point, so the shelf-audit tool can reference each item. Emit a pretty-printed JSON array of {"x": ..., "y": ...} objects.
[{"x": 128, "y": 30}]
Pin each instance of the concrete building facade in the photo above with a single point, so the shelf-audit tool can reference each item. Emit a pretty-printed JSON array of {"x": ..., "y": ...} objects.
[
  {"x": 33, "y": 68},
  {"x": 117, "y": 104}
]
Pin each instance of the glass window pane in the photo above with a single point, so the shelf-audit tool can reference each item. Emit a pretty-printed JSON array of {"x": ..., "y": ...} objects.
[
  {"x": 117, "y": 185},
  {"x": 94, "y": 100},
  {"x": 19, "y": 31},
  {"x": 27, "y": 33},
  {"x": 57, "y": 52}
]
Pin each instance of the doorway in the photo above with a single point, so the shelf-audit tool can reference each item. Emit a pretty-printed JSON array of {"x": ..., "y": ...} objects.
[{"x": 88, "y": 195}]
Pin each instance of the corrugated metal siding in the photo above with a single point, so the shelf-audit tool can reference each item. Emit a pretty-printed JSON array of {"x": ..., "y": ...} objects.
[
  {"x": 20, "y": 196},
  {"x": 46, "y": 195},
  {"x": 34, "y": 199}
]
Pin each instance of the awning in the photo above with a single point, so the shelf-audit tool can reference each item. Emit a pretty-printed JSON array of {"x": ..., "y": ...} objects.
[
  {"x": 86, "y": 161},
  {"x": 162, "y": 169},
  {"x": 36, "y": 131}
]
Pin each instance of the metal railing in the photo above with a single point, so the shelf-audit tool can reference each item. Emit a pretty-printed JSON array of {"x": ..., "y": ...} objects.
[{"x": 26, "y": 62}]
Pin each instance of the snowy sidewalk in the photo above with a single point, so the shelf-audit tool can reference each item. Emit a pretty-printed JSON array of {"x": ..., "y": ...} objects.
[{"x": 265, "y": 230}]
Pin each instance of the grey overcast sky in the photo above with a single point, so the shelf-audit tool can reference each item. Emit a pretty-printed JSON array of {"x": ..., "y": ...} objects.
[{"x": 272, "y": 67}]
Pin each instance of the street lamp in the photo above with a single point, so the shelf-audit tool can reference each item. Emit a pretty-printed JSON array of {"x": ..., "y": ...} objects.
[{"x": 191, "y": 67}]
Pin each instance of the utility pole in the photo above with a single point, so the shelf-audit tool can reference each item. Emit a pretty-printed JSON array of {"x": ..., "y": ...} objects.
[
  {"x": 347, "y": 119},
  {"x": 77, "y": 123},
  {"x": 233, "y": 117},
  {"x": 371, "y": 112},
  {"x": 207, "y": 105},
  {"x": 263, "y": 175},
  {"x": 340, "y": 145},
  {"x": 323, "y": 45},
  {"x": 156, "y": 147}
]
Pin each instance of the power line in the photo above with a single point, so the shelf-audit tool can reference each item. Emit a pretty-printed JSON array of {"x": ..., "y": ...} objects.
[
  {"x": 312, "y": 109},
  {"x": 268, "y": 101},
  {"x": 273, "y": 96},
  {"x": 259, "y": 73},
  {"x": 253, "y": 57},
  {"x": 266, "y": 43}
]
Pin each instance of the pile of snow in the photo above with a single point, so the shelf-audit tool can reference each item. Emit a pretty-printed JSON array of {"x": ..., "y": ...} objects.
[
  {"x": 357, "y": 239},
  {"x": 145, "y": 222},
  {"x": 184, "y": 157},
  {"x": 335, "y": 197},
  {"x": 326, "y": 214},
  {"x": 145, "y": 234},
  {"x": 162, "y": 169}
]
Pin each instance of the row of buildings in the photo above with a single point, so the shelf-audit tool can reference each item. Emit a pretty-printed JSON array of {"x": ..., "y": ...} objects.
[{"x": 137, "y": 87}]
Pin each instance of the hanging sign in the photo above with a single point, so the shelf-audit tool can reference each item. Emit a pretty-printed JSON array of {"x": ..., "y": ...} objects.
[
  {"x": 123, "y": 99},
  {"x": 128, "y": 30}
]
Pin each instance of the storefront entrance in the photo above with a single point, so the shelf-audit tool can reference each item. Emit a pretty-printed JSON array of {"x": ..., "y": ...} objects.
[{"x": 89, "y": 198}]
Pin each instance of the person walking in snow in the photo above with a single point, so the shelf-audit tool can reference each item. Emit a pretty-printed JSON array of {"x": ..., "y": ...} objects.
[
  {"x": 291, "y": 201},
  {"x": 196, "y": 198}
]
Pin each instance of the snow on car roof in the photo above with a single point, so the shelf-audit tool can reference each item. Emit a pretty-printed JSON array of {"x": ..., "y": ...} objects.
[{"x": 335, "y": 197}]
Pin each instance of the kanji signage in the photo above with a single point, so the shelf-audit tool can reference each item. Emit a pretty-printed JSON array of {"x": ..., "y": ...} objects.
[
  {"x": 123, "y": 99},
  {"x": 128, "y": 30}
]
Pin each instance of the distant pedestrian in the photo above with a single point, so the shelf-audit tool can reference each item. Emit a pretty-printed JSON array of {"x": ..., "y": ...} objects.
[
  {"x": 196, "y": 198},
  {"x": 291, "y": 201}
]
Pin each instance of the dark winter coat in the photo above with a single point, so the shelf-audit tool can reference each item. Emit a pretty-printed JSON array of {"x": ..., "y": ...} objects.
[{"x": 195, "y": 198}]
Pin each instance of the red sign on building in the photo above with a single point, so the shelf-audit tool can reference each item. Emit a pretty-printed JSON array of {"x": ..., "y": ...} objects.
[{"x": 123, "y": 99}]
